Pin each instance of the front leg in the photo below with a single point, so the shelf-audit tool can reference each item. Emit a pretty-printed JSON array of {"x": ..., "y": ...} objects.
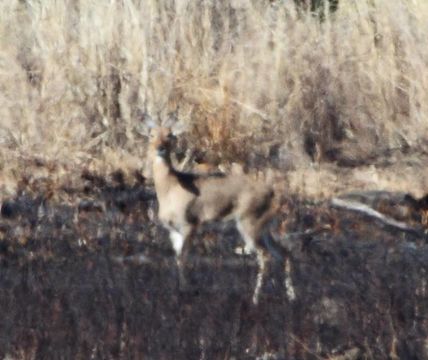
[
  {"x": 178, "y": 238},
  {"x": 177, "y": 242}
]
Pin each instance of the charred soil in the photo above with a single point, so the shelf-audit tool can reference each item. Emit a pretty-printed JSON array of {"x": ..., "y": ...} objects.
[{"x": 87, "y": 272}]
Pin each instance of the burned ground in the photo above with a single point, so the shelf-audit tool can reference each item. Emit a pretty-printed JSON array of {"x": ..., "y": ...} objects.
[{"x": 89, "y": 273}]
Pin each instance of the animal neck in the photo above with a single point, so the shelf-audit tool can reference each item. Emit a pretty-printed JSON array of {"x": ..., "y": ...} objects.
[{"x": 163, "y": 173}]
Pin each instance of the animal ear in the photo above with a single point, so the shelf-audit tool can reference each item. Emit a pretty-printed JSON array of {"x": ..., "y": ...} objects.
[
  {"x": 150, "y": 123},
  {"x": 175, "y": 126},
  {"x": 146, "y": 126},
  {"x": 178, "y": 128},
  {"x": 168, "y": 121}
]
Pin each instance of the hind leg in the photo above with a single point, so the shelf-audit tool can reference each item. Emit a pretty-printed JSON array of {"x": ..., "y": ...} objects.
[
  {"x": 261, "y": 262},
  {"x": 271, "y": 247},
  {"x": 249, "y": 229}
]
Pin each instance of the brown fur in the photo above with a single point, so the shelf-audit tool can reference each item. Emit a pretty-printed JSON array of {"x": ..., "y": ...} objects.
[{"x": 187, "y": 200}]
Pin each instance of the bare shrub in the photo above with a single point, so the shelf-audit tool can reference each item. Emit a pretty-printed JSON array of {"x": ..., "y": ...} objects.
[{"x": 79, "y": 78}]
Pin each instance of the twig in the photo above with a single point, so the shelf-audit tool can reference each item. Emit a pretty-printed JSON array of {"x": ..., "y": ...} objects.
[
  {"x": 304, "y": 346},
  {"x": 251, "y": 109},
  {"x": 367, "y": 210}
]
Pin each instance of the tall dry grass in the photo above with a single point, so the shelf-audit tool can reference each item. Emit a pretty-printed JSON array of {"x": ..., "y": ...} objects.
[{"x": 80, "y": 78}]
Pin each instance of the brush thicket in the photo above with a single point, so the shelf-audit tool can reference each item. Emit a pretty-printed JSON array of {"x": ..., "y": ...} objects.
[{"x": 78, "y": 79}]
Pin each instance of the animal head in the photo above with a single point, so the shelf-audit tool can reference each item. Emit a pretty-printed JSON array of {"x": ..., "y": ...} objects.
[{"x": 161, "y": 141}]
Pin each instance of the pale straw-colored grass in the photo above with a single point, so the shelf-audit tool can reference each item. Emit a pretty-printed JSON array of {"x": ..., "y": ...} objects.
[{"x": 79, "y": 79}]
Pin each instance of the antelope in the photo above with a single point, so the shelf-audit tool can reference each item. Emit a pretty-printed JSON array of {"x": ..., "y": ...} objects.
[{"x": 187, "y": 200}]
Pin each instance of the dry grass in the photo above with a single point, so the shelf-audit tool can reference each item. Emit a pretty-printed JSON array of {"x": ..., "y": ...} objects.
[{"x": 80, "y": 78}]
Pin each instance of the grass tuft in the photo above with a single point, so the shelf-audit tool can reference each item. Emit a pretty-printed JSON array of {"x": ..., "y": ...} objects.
[{"x": 79, "y": 79}]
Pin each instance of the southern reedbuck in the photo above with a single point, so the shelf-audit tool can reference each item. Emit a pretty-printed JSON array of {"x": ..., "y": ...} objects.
[{"x": 187, "y": 200}]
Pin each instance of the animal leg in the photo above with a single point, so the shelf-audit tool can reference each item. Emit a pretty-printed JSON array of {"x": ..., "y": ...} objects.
[
  {"x": 245, "y": 229},
  {"x": 177, "y": 241},
  {"x": 271, "y": 247},
  {"x": 178, "y": 238},
  {"x": 261, "y": 261},
  {"x": 249, "y": 229}
]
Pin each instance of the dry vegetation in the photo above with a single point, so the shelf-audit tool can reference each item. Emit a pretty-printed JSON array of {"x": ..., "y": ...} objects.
[
  {"x": 250, "y": 81},
  {"x": 322, "y": 103}
]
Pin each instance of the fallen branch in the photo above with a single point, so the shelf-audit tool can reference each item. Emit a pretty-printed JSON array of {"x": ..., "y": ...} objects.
[{"x": 367, "y": 210}]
